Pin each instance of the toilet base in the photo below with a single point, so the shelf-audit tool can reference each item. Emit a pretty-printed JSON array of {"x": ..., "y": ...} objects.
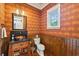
[{"x": 41, "y": 53}]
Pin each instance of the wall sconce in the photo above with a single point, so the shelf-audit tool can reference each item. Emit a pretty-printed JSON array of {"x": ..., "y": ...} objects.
[
  {"x": 19, "y": 12},
  {"x": 23, "y": 13}
]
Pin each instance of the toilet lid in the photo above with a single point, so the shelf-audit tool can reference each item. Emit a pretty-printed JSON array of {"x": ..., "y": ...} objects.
[{"x": 41, "y": 47}]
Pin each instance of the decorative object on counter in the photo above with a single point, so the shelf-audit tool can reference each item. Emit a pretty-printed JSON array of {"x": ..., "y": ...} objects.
[
  {"x": 3, "y": 31},
  {"x": 12, "y": 37},
  {"x": 18, "y": 36},
  {"x": 53, "y": 17}
]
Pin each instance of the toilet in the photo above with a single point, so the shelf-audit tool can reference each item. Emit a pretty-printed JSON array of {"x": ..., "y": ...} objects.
[{"x": 40, "y": 47}]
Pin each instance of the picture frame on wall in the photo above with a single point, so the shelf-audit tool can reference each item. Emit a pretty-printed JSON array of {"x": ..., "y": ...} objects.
[
  {"x": 53, "y": 17},
  {"x": 18, "y": 22}
]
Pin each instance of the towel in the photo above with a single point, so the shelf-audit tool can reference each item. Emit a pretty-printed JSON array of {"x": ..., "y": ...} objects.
[{"x": 3, "y": 33}]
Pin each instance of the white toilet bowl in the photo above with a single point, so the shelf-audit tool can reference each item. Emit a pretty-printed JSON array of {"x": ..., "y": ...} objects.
[{"x": 40, "y": 49}]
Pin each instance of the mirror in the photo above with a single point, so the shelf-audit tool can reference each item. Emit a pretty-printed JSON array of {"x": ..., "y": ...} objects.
[{"x": 19, "y": 22}]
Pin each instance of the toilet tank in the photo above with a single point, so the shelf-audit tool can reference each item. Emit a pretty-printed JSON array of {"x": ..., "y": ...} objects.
[{"x": 37, "y": 40}]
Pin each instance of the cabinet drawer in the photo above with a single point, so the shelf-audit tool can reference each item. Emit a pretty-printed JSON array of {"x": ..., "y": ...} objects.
[{"x": 20, "y": 45}]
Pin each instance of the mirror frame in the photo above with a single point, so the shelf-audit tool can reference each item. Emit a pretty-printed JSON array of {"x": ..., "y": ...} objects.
[{"x": 24, "y": 21}]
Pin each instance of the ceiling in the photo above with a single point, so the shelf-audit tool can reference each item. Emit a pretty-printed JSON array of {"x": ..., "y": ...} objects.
[{"x": 38, "y": 5}]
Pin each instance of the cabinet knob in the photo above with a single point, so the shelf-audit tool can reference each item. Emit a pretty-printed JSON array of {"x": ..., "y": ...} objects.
[{"x": 21, "y": 44}]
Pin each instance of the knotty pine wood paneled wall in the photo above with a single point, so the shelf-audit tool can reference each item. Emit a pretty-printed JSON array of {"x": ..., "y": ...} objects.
[
  {"x": 2, "y": 13},
  {"x": 60, "y": 46},
  {"x": 63, "y": 41},
  {"x": 32, "y": 14},
  {"x": 69, "y": 21},
  {"x": 2, "y": 16}
]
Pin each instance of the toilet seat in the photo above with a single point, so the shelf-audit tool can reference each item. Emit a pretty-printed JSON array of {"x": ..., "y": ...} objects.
[{"x": 41, "y": 47}]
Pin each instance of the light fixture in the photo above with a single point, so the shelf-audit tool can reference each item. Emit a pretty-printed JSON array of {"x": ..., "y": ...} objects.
[
  {"x": 23, "y": 13},
  {"x": 19, "y": 11}
]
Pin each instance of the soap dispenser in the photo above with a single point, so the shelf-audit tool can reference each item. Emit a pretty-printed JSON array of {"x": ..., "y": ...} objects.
[{"x": 12, "y": 37}]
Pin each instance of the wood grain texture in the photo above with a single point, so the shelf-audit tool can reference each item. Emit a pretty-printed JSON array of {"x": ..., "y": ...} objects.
[
  {"x": 2, "y": 13},
  {"x": 32, "y": 14},
  {"x": 63, "y": 41},
  {"x": 18, "y": 46},
  {"x": 2, "y": 18},
  {"x": 69, "y": 21},
  {"x": 60, "y": 46}
]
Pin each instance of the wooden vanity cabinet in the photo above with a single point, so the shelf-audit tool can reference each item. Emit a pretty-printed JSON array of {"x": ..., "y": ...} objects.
[{"x": 19, "y": 48}]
